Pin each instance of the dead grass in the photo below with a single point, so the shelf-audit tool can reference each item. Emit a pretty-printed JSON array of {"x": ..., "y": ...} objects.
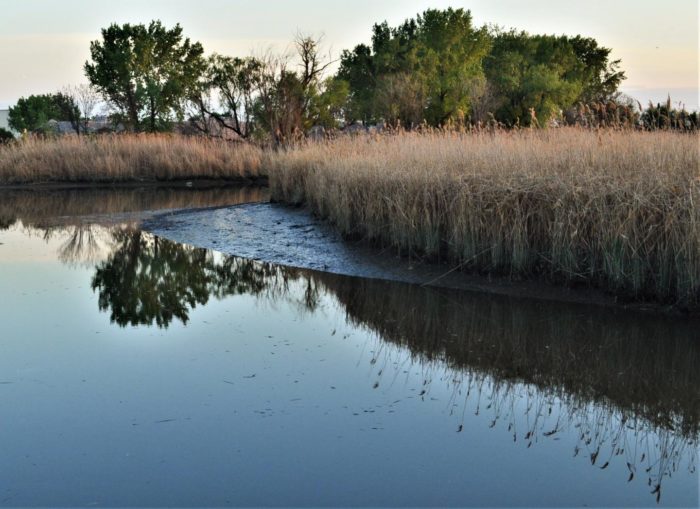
[
  {"x": 126, "y": 158},
  {"x": 616, "y": 210}
]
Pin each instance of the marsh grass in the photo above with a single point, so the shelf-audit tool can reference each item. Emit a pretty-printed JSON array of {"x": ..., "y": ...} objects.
[
  {"x": 126, "y": 158},
  {"x": 618, "y": 210}
]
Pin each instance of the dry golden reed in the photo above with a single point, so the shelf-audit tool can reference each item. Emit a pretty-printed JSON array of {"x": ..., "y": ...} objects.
[
  {"x": 615, "y": 210},
  {"x": 126, "y": 158}
]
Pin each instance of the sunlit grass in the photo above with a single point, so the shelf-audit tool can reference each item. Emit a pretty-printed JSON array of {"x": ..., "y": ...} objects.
[
  {"x": 126, "y": 158},
  {"x": 616, "y": 210}
]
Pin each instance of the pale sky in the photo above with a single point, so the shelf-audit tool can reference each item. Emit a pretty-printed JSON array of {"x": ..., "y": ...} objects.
[{"x": 44, "y": 43}]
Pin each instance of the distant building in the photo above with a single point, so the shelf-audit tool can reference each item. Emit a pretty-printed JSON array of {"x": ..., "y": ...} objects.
[{"x": 4, "y": 121}]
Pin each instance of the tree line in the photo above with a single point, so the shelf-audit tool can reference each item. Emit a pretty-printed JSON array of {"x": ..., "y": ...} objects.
[{"x": 438, "y": 69}]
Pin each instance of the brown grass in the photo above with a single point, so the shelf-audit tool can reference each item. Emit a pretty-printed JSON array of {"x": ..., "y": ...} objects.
[
  {"x": 616, "y": 210},
  {"x": 126, "y": 158}
]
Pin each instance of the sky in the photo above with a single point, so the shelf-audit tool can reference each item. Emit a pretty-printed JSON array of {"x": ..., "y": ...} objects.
[{"x": 44, "y": 43}]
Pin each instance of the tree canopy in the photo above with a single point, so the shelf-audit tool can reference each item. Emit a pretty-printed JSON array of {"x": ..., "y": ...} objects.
[
  {"x": 145, "y": 72},
  {"x": 429, "y": 68},
  {"x": 438, "y": 68},
  {"x": 535, "y": 76},
  {"x": 34, "y": 112}
]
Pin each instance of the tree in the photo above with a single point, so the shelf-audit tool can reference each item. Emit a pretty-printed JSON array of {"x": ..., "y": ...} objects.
[
  {"x": 86, "y": 98},
  {"x": 289, "y": 102},
  {"x": 426, "y": 68},
  {"x": 357, "y": 69},
  {"x": 327, "y": 105},
  {"x": 69, "y": 110},
  {"x": 233, "y": 80},
  {"x": 33, "y": 113},
  {"x": 145, "y": 72},
  {"x": 537, "y": 76},
  {"x": 401, "y": 99}
]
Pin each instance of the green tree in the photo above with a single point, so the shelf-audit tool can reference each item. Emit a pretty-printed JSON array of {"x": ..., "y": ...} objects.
[
  {"x": 34, "y": 112},
  {"x": 327, "y": 104},
  {"x": 534, "y": 77},
  {"x": 427, "y": 68},
  {"x": 145, "y": 72},
  {"x": 233, "y": 81},
  {"x": 357, "y": 69},
  {"x": 68, "y": 110}
]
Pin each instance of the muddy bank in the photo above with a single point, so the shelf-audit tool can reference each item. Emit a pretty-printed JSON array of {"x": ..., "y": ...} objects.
[{"x": 294, "y": 237}]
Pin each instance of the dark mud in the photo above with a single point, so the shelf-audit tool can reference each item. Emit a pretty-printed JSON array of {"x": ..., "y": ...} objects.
[{"x": 294, "y": 237}]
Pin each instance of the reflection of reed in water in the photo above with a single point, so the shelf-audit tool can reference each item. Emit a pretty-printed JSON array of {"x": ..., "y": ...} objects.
[
  {"x": 598, "y": 430},
  {"x": 626, "y": 384},
  {"x": 43, "y": 208},
  {"x": 644, "y": 363}
]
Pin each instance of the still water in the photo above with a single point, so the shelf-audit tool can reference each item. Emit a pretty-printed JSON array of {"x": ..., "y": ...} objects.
[{"x": 135, "y": 371}]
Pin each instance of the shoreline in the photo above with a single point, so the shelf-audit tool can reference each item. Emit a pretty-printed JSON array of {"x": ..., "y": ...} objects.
[
  {"x": 271, "y": 228},
  {"x": 294, "y": 237}
]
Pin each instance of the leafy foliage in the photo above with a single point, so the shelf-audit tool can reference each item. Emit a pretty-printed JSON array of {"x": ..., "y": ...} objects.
[
  {"x": 145, "y": 72},
  {"x": 536, "y": 76},
  {"x": 34, "y": 112},
  {"x": 439, "y": 68},
  {"x": 427, "y": 68}
]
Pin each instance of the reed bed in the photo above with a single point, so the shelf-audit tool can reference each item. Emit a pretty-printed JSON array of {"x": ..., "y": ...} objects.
[
  {"x": 615, "y": 210},
  {"x": 126, "y": 158}
]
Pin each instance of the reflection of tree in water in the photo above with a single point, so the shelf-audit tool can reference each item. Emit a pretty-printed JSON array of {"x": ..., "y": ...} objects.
[
  {"x": 85, "y": 244},
  {"x": 148, "y": 280}
]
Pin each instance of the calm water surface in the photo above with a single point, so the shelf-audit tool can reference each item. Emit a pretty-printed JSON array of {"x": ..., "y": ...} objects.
[{"x": 135, "y": 371}]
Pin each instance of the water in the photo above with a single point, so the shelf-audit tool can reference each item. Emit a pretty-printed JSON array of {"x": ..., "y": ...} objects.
[{"x": 136, "y": 371}]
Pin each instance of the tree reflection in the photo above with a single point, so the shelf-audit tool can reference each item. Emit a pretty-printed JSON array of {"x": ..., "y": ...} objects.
[
  {"x": 84, "y": 244},
  {"x": 149, "y": 280},
  {"x": 146, "y": 280}
]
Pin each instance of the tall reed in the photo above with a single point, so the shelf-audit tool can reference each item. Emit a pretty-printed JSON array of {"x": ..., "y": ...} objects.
[
  {"x": 126, "y": 158},
  {"x": 616, "y": 210}
]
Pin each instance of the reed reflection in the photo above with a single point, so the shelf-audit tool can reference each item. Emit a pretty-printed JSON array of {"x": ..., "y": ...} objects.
[{"x": 52, "y": 208}]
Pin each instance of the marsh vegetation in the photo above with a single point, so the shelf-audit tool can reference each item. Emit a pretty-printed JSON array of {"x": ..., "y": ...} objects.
[
  {"x": 617, "y": 210},
  {"x": 141, "y": 159}
]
